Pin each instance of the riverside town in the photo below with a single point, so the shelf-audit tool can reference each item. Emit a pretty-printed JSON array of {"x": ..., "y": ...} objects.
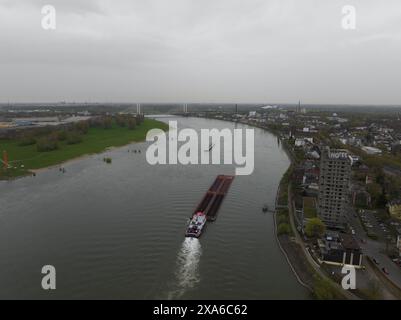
[{"x": 199, "y": 158}]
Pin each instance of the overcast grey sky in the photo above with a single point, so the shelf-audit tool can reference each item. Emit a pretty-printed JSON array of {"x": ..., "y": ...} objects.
[{"x": 201, "y": 51}]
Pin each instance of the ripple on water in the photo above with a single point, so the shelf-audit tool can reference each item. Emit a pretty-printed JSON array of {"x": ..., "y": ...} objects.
[{"x": 118, "y": 230}]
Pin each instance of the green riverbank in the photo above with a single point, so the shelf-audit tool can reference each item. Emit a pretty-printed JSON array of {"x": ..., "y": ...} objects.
[{"x": 23, "y": 159}]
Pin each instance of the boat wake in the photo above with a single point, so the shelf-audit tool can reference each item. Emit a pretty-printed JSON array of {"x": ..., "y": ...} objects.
[{"x": 187, "y": 273}]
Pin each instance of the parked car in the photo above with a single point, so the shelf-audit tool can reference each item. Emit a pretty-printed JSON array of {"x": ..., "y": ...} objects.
[
  {"x": 375, "y": 261},
  {"x": 385, "y": 271}
]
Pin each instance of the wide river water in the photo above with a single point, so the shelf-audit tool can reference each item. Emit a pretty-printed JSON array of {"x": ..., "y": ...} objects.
[{"x": 117, "y": 230}]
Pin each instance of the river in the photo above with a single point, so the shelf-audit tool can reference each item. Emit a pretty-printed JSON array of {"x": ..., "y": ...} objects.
[{"x": 117, "y": 230}]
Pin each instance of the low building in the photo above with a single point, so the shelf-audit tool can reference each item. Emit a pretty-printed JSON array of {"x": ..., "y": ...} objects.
[
  {"x": 340, "y": 249},
  {"x": 23, "y": 123},
  {"x": 371, "y": 150},
  {"x": 4, "y": 125},
  {"x": 354, "y": 159},
  {"x": 299, "y": 142},
  {"x": 394, "y": 208}
]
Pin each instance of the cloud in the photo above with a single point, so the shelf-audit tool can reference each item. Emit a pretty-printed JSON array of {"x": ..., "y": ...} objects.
[{"x": 192, "y": 50}]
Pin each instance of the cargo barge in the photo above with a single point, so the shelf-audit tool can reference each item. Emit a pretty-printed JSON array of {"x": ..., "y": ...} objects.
[{"x": 209, "y": 206}]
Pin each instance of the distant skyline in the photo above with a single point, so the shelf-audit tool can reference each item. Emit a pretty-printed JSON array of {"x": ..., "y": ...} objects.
[{"x": 198, "y": 51}]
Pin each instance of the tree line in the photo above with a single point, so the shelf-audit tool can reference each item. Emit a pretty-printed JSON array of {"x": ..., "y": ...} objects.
[{"x": 48, "y": 139}]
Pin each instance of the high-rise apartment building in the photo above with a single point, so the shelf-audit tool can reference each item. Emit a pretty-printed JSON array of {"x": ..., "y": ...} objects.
[{"x": 335, "y": 172}]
